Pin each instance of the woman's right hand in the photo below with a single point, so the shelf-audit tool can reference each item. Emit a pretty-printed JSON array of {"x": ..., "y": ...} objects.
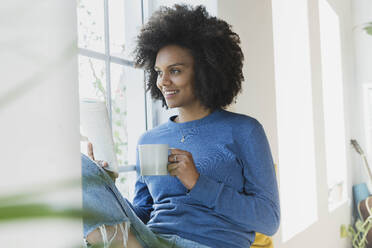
[{"x": 101, "y": 163}]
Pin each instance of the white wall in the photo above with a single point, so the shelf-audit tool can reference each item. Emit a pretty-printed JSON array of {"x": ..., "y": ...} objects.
[
  {"x": 252, "y": 20},
  {"x": 39, "y": 128},
  {"x": 362, "y": 13}
]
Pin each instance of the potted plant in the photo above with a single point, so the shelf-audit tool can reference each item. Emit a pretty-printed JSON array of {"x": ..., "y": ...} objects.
[{"x": 360, "y": 232}]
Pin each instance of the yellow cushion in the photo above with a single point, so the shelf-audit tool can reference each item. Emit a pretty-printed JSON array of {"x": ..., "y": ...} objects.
[{"x": 262, "y": 241}]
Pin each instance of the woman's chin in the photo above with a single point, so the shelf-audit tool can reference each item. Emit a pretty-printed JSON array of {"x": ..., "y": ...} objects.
[{"x": 171, "y": 105}]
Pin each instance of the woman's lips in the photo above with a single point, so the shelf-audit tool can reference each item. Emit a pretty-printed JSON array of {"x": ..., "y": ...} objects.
[{"x": 170, "y": 93}]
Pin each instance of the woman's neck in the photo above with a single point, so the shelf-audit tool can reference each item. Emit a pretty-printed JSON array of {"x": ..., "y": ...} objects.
[{"x": 191, "y": 115}]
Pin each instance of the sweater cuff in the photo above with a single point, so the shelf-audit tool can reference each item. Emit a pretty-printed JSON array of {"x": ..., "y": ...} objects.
[{"x": 206, "y": 191}]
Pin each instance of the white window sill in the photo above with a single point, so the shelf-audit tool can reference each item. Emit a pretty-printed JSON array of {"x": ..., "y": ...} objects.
[{"x": 127, "y": 168}]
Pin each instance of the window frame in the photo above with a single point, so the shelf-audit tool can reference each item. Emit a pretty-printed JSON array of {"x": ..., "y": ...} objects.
[{"x": 108, "y": 59}]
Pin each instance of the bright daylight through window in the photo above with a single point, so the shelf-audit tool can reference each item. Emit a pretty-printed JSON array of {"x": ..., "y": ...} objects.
[{"x": 106, "y": 31}]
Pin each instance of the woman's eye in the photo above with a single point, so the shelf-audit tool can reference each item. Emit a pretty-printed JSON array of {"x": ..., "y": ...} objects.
[{"x": 175, "y": 71}]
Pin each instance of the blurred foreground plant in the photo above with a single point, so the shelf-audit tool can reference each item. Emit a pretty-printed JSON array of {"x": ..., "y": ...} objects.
[
  {"x": 24, "y": 206},
  {"x": 368, "y": 28},
  {"x": 21, "y": 206}
]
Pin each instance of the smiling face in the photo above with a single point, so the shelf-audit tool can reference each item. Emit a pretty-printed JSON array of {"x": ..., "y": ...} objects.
[{"x": 175, "y": 68}]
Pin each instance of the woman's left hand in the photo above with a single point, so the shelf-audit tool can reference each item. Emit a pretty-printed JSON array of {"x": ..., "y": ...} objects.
[{"x": 183, "y": 167}]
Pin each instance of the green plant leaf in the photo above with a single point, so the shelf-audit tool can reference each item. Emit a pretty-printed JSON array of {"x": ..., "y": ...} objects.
[
  {"x": 368, "y": 30},
  {"x": 343, "y": 231},
  {"x": 37, "y": 210},
  {"x": 351, "y": 231},
  {"x": 39, "y": 190},
  {"x": 122, "y": 180},
  {"x": 359, "y": 225}
]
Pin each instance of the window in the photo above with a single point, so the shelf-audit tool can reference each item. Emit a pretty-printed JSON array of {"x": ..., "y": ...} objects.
[
  {"x": 106, "y": 31},
  {"x": 294, "y": 116},
  {"x": 333, "y": 107}
]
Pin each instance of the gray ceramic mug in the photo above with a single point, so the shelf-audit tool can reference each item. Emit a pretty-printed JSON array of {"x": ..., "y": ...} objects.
[{"x": 153, "y": 159}]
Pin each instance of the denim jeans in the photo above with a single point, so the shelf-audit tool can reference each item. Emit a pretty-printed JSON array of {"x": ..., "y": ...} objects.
[{"x": 101, "y": 197}]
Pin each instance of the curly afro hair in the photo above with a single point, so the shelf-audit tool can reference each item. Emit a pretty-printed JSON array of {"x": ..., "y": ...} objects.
[{"x": 218, "y": 58}]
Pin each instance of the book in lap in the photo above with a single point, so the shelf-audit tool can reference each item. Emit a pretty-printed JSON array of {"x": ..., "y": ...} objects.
[{"x": 95, "y": 127}]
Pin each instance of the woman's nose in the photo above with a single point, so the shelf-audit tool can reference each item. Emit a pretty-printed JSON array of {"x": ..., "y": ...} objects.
[{"x": 164, "y": 80}]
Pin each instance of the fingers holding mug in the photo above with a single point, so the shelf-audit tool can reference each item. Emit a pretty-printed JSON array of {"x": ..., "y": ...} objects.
[
  {"x": 183, "y": 167},
  {"x": 174, "y": 158},
  {"x": 172, "y": 169}
]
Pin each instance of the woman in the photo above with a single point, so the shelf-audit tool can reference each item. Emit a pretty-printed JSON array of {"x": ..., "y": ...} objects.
[{"x": 222, "y": 186}]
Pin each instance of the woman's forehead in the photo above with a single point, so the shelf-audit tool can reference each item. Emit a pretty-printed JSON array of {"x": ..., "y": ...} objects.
[{"x": 173, "y": 54}]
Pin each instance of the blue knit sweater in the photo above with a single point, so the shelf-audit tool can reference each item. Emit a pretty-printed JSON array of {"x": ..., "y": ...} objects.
[{"x": 236, "y": 194}]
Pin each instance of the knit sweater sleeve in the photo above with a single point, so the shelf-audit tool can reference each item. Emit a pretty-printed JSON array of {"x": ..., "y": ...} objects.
[
  {"x": 142, "y": 202},
  {"x": 257, "y": 207}
]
